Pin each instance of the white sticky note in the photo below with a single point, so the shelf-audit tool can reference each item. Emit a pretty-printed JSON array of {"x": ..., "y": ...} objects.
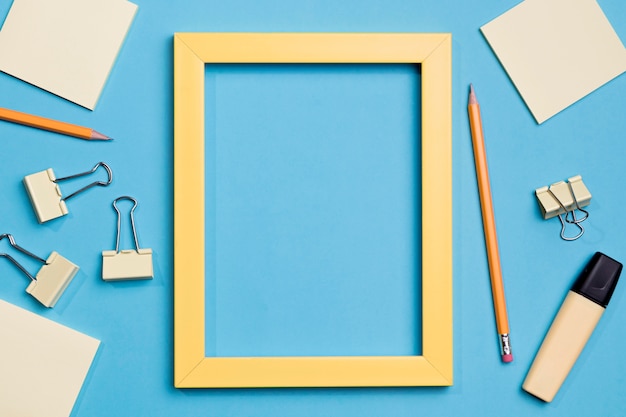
[
  {"x": 66, "y": 47},
  {"x": 42, "y": 364},
  {"x": 556, "y": 51}
]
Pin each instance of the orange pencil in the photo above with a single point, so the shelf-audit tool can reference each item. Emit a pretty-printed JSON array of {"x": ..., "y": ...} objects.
[
  {"x": 51, "y": 125},
  {"x": 489, "y": 226}
]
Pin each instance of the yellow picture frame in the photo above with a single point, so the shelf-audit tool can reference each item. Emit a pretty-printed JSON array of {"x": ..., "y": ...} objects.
[{"x": 192, "y": 51}]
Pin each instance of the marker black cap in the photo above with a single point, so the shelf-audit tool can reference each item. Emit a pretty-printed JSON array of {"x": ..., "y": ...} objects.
[{"x": 599, "y": 278}]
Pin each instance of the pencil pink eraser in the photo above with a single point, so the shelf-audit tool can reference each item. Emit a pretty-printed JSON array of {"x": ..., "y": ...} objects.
[{"x": 507, "y": 358}]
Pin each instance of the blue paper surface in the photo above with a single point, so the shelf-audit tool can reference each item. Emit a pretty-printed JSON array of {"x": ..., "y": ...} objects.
[{"x": 133, "y": 373}]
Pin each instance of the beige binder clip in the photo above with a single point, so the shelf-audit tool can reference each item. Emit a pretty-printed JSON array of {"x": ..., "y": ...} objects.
[
  {"x": 126, "y": 264},
  {"x": 45, "y": 194},
  {"x": 51, "y": 280},
  {"x": 565, "y": 198}
]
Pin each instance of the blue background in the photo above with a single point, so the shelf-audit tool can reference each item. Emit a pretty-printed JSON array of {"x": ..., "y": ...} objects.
[{"x": 319, "y": 277}]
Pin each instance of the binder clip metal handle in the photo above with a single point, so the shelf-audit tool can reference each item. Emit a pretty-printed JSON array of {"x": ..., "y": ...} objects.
[
  {"x": 93, "y": 184},
  {"x": 51, "y": 280},
  {"x": 45, "y": 194},
  {"x": 119, "y": 221},
  {"x": 574, "y": 221},
  {"x": 126, "y": 264},
  {"x": 24, "y": 251}
]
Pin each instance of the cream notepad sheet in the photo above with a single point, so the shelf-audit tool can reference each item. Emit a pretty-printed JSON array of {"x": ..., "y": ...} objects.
[
  {"x": 556, "y": 51},
  {"x": 42, "y": 364},
  {"x": 66, "y": 47}
]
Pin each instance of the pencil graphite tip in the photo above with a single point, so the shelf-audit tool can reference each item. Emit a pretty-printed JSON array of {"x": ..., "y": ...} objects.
[
  {"x": 99, "y": 136},
  {"x": 472, "y": 95}
]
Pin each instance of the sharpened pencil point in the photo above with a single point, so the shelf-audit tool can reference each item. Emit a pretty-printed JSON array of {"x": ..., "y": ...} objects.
[
  {"x": 99, "y": 136},
  {"x": 472, "y": 96}
]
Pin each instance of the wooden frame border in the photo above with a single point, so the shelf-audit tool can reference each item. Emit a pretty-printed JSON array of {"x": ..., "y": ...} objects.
[{"x": 192, "y": 51}]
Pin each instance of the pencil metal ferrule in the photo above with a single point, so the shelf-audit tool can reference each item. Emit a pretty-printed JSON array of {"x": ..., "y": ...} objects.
[{"x": 505, "y": 344}]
